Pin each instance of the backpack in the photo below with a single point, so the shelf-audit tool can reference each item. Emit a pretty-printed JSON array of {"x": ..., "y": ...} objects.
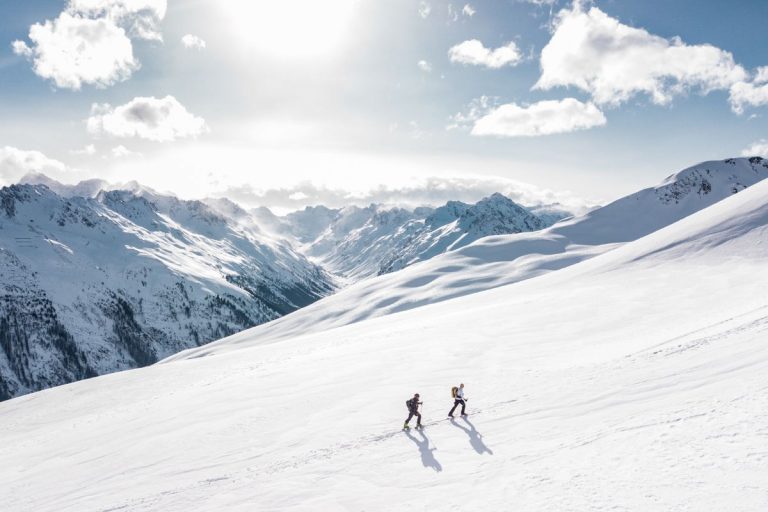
[
  {"x": 409, "y": 404},
  {"x": 454, "y": 390}
]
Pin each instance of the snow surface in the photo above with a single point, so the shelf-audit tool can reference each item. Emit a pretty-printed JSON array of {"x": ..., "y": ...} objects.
[
  {"x": 495, "y": 261},
  {"x": 636, "y": 380}
]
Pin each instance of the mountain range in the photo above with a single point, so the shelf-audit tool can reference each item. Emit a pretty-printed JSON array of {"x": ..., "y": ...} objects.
[
  {"x": 95, "y": 279},
  {"x": 355, "y": 243},
  {"x": 501, "y": 260}
]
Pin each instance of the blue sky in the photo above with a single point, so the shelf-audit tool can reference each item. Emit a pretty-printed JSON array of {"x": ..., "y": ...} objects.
[{"x": 297, "y": 102}]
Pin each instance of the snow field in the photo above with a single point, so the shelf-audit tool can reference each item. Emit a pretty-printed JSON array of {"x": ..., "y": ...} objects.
[{"x": 633, "y": 381}]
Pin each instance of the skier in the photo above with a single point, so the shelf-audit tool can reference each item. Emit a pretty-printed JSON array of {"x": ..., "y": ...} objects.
[
  {"x": 458, "y": 399},
  {"x": 413, "y": 410}
]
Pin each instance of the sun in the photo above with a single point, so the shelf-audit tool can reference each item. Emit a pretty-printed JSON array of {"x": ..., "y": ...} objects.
[{"x": 290, "y": 28}]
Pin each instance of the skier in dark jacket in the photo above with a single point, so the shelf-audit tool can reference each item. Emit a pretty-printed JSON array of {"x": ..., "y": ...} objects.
[
  {"x": 413, "y": 410},
  {"x": 458, "y": 399}
]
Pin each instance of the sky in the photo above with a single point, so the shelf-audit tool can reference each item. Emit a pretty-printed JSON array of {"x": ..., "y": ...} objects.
[{"x": 295, "y": 102}]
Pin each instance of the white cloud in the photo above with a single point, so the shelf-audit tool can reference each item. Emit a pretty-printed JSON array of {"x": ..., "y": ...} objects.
[
  {"x": 21, "y": 48},
  {"x": 140, "y": 17},
  {"x": 424, "y": 66},
  {"x": 90, "y": 41},
  {"x": 453, "y": 14},
  {"x": 89, "y": 150},
  {"x": 72, "y": 51},
  {"x": 120, "y": 8},
  {"x": 432, "y": 190},
  {"x": 468, "y": 10},
  {"x": 744, "y": 93},
  {"x": 759, "y": 148},
  {"x": 473, "y": 52},
  {"x": 477, "y": 108},
  {"x": 761, "y": 75},
  {"x": 542, "y": 118},
  {"x": 15, "y": 163},
  {"x": 193, "y": 42},
  {"x": 614, "y": 62},
  {"x": 122, "y": 152},
  {"x": 751, "y": 92},
  {"x": 424, "y": 9},
  {"x": 298, "y": 196},
  {"x": 156, "y": 119}
]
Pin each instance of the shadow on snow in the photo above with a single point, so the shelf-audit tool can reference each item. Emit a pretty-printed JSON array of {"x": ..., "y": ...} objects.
[
  {"x": 427, "y": 457},
  {"x": 475, "y": 437}
]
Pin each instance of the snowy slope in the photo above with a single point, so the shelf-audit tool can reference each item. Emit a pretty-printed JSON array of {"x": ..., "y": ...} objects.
[
  {"x": 356, "y": 243},
  {"x": 633, "y": 381},
  {"x": 110, "y": 280},
  {"x": 498, "y": 260},
  {"x": 95, "y": 278}
]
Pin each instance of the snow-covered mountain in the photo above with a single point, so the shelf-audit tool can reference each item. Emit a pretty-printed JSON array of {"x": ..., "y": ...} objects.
[
  {"x": 356, "y": 243},
  {"x": 499, "y": 260},
  {"x": 146, "y": 263},
  {"x": 635, "y": 380},
  {"x": 95, "y": 281}
]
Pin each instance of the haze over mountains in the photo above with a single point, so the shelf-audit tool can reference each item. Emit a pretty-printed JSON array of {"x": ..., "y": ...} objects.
[
  {"x": 95, "y": 280},
  {"x": 633, "y": 379}
]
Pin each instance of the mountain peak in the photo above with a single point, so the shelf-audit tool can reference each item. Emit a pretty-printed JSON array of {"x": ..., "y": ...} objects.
[
  {"x": 497, "y": 215},
  {"x": 728, "y": 176},
  {"x": 449, "y": 212}
]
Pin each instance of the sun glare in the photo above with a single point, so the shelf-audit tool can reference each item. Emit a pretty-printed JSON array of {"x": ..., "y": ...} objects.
[{"x": 291, "y": 28}]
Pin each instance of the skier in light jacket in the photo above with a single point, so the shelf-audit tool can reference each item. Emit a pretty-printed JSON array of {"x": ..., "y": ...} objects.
[{"x": 458, "y": 399}]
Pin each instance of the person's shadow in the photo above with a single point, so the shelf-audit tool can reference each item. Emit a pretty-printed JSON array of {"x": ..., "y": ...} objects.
[
  {"x": 427, "y": 457},
  {"x": 475, "y": 437}
]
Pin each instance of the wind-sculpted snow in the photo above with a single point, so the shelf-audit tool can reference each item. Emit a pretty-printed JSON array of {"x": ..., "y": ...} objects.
[
  {"x": 495, "y": 261},
  {"x": 118, "y": 279},
  {"x": 635, "y": 380}
]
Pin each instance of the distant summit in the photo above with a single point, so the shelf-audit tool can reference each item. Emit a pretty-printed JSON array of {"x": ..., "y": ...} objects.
[{"x": 356, "y": 243}]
